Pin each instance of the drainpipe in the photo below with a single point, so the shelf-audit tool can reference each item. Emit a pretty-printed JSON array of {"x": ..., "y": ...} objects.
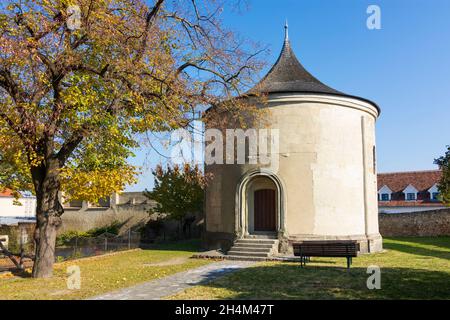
[{"x": 364, "y": 157}]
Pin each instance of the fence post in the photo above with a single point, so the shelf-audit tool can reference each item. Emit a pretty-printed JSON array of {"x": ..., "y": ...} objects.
[
  {"x": 21, "y": 249},
  {"x": 21, "y": 240},
  {"x": 75, "y": 248},
  {"x": 21, "y": 258}
]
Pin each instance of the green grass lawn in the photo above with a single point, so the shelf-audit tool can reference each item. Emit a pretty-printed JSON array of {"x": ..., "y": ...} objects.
[
  {"x": 411, "y": 268},
  {"x": 105, "y": 273}
]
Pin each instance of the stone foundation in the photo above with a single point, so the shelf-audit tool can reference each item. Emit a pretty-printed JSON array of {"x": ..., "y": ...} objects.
[
  {"x": 224, "y": 241},
  {"x": 218, "y": 240}
]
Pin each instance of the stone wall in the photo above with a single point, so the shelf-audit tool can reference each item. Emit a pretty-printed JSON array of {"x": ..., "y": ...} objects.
[
  {"x": 130, "y": 209},
  {"x": 129, "y": 216},
  {"x": 421, "y": 224},
  {"x": 133, "y": 214}
]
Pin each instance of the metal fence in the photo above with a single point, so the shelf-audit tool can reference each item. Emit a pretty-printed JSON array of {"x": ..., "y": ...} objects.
[{"x": 79, "y": 247}]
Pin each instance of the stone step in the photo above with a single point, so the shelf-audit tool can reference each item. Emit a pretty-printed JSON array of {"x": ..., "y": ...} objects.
[
  {"x": 259, "y": 241},
  {"x": 248, "y": 253},
  {"x": 253, "y": 245},
  {"x": 270, "y": 237},
  {"x": 251, "y": 249}
]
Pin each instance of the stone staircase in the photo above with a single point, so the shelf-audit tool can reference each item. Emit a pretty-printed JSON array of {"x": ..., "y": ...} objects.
[{"x": 253, "y": 249}]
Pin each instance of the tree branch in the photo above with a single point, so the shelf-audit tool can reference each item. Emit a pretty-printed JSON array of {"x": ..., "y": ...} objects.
[
  {"x": 69, "y": 146},
  {"x": 150, "y": 18}
]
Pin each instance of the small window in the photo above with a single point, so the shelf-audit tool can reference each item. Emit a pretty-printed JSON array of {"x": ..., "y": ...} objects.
[
  {"x": 385, "y": 197},
  {"x": 410, "y": 196},
  {"x": 435, "y": 196}
]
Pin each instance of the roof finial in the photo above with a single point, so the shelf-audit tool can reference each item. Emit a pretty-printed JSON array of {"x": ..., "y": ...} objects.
[{"x": 286, "y": 35}]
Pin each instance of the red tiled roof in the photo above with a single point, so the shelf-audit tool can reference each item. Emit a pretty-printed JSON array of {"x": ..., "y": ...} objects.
[
  {"x": 398, "y": 181},
  {"x": 6, "y": 193}
]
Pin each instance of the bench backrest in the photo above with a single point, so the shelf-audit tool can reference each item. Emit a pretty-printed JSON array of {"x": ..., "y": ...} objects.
[{"x": 326, "y": 248}]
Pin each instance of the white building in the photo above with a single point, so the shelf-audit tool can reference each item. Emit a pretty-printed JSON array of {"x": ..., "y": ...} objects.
[
  {"x": 12, "y": 209},
  {"x": 400, "y": 192}
]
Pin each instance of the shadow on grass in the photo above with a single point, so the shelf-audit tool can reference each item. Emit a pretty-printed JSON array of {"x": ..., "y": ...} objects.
[
  {"x": 315, "y": 261},
  {"x": 407, "y": 246},
  {"x": 288, "y": 281},
  {"x": 20, "y": 273}
]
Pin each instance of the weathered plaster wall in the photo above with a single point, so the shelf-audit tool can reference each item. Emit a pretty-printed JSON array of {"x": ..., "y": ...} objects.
[
  {"x": 130, "y": 216},
  {"x": 326, "y": 162}
]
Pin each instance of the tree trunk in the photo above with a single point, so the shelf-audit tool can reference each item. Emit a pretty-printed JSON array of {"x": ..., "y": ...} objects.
[{"x": 48, "y": 217}]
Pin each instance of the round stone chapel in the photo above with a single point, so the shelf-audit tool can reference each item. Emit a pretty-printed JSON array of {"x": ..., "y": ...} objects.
[{"x": 325, "y": 184}]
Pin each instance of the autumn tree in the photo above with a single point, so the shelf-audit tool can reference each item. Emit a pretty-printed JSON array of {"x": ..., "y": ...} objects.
[
  {"x": 80, "y": 80},
  {"x": 444, "y": 184},
  {"x": 178, "y": 191}
]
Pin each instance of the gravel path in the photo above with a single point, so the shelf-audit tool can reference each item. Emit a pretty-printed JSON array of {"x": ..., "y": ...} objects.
[{"x": 167, "y": 286}]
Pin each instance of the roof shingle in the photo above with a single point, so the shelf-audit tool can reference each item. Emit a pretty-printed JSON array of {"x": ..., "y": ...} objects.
[
  {"x": 398, "y": 181},
  {"x": 289, "y": 75}
]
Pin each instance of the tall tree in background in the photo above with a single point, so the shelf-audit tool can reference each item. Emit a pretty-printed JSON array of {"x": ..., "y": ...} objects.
[
  {"x": 178, "y": 191},
  {"x": 81, "y": 79},
  {"x": 444, "y": 185}
]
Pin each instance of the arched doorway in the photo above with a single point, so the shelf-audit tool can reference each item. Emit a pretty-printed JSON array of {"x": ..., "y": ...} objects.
[{"x": 260, "y": 204}]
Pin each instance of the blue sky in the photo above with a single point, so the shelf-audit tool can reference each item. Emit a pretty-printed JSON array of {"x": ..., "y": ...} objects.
[{"x": 404, "y": 67}]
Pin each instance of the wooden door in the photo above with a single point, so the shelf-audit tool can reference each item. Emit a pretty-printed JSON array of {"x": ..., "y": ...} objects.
[{"x": 264, "y": 210}]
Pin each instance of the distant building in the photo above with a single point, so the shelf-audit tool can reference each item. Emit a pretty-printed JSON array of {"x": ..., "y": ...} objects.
[
  {"x": 124, "y": 198},
  {"x": 12, "y": 212},
  {"x": 400, "y": 192}
]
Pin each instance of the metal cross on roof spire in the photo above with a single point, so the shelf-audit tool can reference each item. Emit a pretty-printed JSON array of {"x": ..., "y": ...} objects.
[{"x": 286, "y": 35}]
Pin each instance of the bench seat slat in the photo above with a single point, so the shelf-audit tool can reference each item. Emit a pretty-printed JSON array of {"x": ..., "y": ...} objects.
[{"x": 326, "y": 248}]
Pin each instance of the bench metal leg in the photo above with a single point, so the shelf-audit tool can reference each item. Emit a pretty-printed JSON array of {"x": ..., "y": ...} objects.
[
  {"x": 302, "y": 261},
  {"x": 349, "y": 262}
]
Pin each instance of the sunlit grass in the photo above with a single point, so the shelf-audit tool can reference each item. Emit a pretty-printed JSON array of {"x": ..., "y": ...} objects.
[
  {"x": 411, "y": 268},
  {"x": 105, "y": 273}
]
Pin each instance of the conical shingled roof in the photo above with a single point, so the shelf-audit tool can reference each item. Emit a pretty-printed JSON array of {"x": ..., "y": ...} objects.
[{"x": 288, "y": 75}]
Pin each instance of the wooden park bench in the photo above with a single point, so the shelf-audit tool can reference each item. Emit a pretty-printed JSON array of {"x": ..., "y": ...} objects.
[{"x": 332, "y": 248}]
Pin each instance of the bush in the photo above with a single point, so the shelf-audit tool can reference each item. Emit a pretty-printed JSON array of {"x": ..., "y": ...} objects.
[
  {"x": 112, "y": 228},
  {"x": 152, "y": 229},
  {"x": 68, "y": 237}
]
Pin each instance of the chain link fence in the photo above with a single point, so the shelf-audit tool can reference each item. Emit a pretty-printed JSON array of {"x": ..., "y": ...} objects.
[{"x": 79, "y": 247}]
